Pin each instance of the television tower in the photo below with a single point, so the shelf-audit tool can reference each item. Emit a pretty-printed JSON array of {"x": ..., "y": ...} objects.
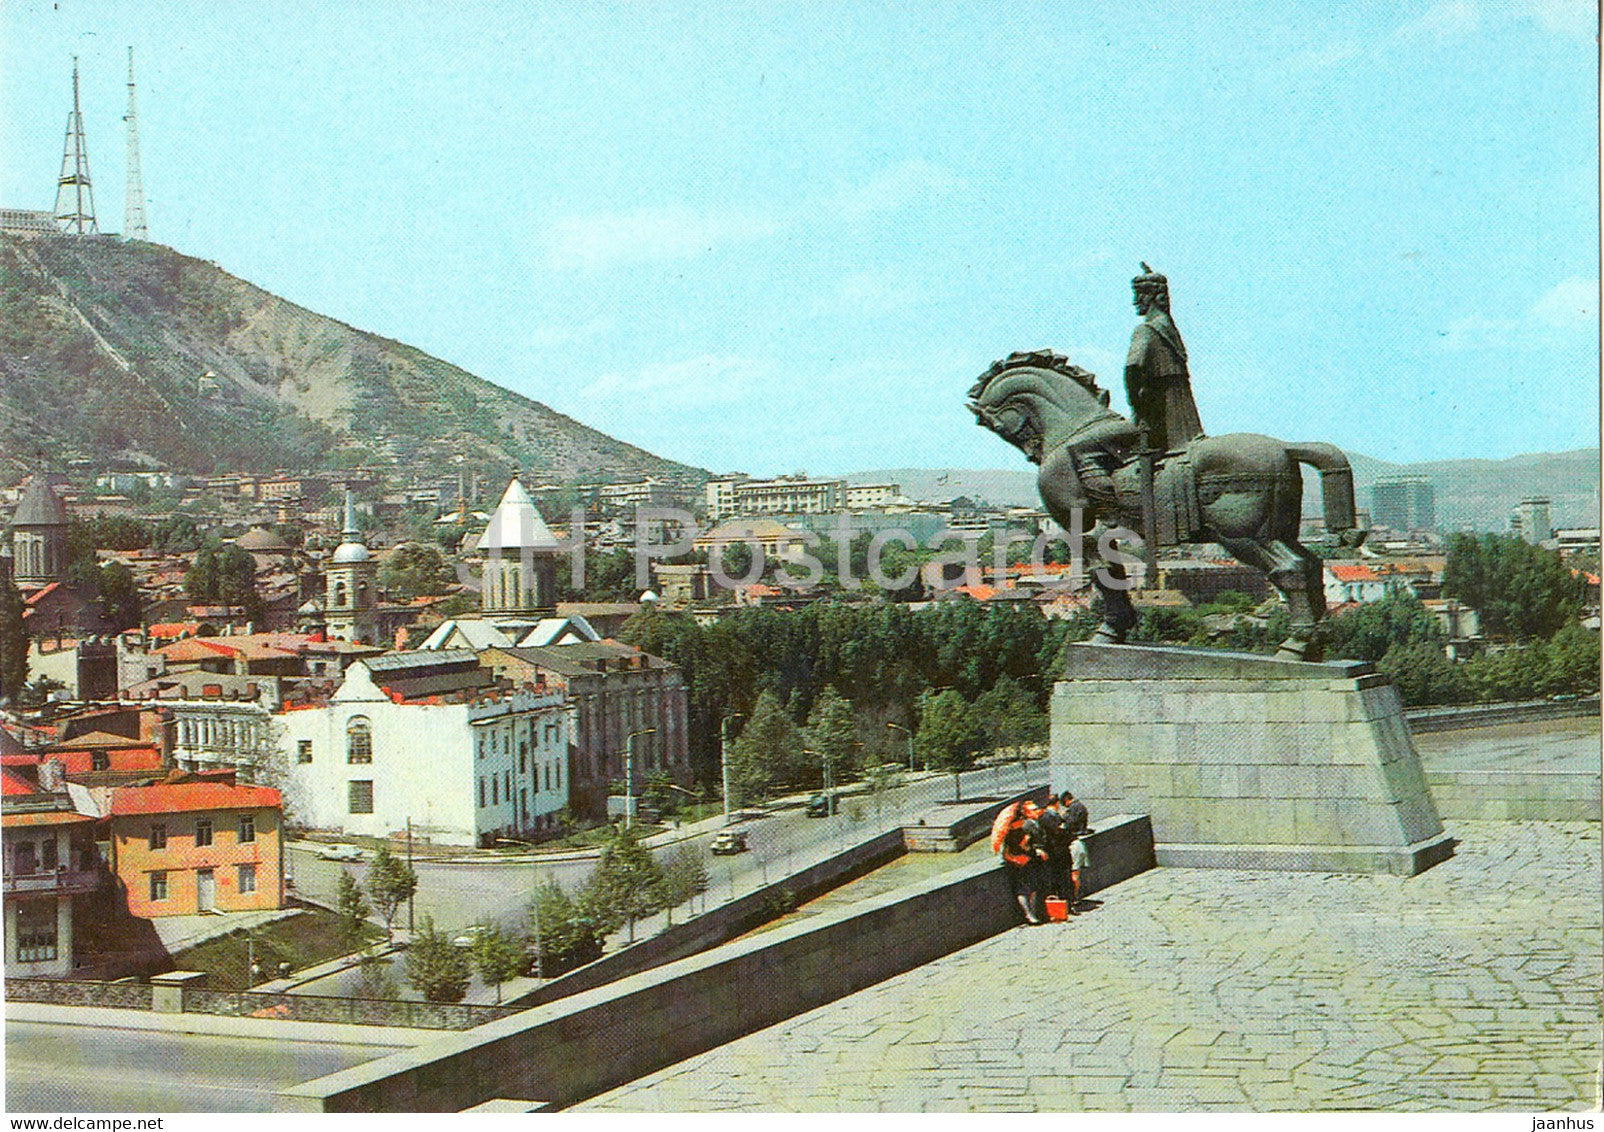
[
  {"x": 75, "y": 197},
  {"x": 134, "y": 202}
]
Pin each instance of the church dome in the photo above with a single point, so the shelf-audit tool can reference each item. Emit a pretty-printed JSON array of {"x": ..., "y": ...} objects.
[
  {"x": 348, "y": 552},
  {"x": 260, "y": 540}
]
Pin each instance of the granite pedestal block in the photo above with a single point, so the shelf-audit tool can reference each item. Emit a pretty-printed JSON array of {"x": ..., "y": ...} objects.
[{"x": 1244, "y": 761}]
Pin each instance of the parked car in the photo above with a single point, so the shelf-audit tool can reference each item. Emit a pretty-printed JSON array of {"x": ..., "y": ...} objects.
[
  {"x": 340, "y": 853},
  {"x": 470, "y": 935},
  {"x": 823, "y": 805},
  {"x": 727, "y": 841}
]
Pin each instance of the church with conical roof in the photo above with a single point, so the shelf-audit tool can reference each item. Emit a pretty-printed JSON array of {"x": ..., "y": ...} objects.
[
  {"x": 39, "y": 535},
  {"x": 520, "y": 571}
]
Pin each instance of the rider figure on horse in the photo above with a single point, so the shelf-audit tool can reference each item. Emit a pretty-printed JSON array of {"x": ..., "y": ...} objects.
[{"x": 1157, "y": 382}]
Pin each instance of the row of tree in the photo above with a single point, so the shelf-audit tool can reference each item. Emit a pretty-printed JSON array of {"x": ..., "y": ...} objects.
[{"x": 627, "y": 885}]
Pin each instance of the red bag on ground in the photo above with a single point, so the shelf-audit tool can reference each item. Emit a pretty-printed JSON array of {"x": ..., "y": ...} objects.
[{"x": 1057, "y": 909}]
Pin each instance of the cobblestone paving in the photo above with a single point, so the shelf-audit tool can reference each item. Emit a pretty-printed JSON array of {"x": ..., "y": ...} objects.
[{"x": 1475, "y": 986}]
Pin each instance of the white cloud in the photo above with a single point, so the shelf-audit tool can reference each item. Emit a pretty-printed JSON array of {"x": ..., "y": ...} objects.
[
  {"x": 895, "y": 188},
  {"x": 1571, "y": 305},
  {"x": 554, "y": 337},
  {"x": 1448, "y": 20},
  {"x": 603, "y": 239},
  {"x": 705, "y": 380},
  {"x": 1574, "y": 19}
]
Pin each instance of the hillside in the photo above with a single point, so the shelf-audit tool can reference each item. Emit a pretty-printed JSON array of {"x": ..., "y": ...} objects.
[
  {"x": 1478, "y": 493},
  {"x": 111, "y": 348}
]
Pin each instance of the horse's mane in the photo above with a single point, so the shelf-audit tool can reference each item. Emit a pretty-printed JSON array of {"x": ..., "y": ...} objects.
[{"x": 1036, "y": 359}]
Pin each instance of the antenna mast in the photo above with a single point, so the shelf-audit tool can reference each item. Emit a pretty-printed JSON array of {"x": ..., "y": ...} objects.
[
  {"x": 75, "y": 196},
  {"x": 134, "y": 201}
]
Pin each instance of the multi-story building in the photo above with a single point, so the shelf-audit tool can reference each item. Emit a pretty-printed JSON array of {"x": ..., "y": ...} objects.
[
  {"x": 611, "y": 691},
  {"x": 178, "y": 849},
  {"x": 460, "y": 767},
  {"x": 1404, "y": 503},
  {"x": 50, "y": 861},
  {"x": 870, "y": 496},
  {"x": 1531, "y": 521},
  {"x": 648, "y": 492}
]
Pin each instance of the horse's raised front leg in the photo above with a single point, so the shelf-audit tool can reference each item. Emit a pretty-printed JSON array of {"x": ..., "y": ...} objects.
[{"x": 1298, "y": 575}]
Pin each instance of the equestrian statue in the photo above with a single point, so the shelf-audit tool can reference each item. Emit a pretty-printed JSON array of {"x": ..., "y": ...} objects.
[{"x": 1160, "y": 476}]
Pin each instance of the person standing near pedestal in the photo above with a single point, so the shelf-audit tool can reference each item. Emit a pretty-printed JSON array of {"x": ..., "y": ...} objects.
[
  {"x": 1158, "y": 384},
  {"x": 1076, "y": 827}
]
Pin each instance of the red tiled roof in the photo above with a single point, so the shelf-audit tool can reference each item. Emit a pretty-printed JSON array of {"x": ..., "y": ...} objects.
[
  {"x": 173, "y": 629},
  {"x": 43, "y": 817},
  {"x": 1352, "y": 573},
  {"x": 190, "y": 796},
  {"x": 13, "y": 785}
]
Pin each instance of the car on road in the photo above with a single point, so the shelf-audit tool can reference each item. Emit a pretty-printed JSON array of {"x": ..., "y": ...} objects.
[
  {"x": 727, "y": 841},
  {"x": 470, "y": 935},
  {"x": 340, "y": 853},
  {"x": 823, "y": 805}
]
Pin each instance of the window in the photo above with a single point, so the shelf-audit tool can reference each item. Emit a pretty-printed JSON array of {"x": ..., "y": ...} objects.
[
  {"x": 339, "y": 594},
  {"x": 481, "y": 793},
  {"x": 523, "y": 758},
  {"x": 361, "y": 796},
  {"x": 303, "y": 751},
  {"x": 99, "y": 760},
  {"x": 203, "y": 832},
  {"x": 247, "y": 828},
  {"x": 495, "y": 796},
  {"x": 27, "y": 858},
  {"x": 158, "y": 886},
  {"x": 158, "y": 835},
  {"x": 548, "y": 776},
  {"x": 358, "y": 740},
  {"x": 36, "y": 931},
  {"x": 48, "y": 859},
  {"x": 247, "y": 878}
]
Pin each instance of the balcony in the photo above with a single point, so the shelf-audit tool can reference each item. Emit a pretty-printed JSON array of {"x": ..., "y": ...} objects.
[{"x": 63, "y": 881}]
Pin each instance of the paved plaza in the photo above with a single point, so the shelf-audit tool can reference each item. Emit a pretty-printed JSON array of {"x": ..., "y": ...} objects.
[{"x": 1474, "y": 986}]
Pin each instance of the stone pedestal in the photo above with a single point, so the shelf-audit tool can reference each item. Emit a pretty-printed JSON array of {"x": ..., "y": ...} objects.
[{"x": 1244, "y": 761}]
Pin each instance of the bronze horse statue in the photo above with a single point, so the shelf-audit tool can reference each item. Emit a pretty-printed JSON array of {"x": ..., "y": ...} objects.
[{"x": 1242, "y": 491}]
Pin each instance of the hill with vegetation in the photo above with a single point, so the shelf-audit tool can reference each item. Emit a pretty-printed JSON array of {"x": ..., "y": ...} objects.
[{"x": 134, "y": 351}]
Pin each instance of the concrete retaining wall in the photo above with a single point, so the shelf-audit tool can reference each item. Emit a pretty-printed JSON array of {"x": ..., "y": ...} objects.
[
  {"x": 1495, "y": 795},
  {"x": 1422, "y": 720},
  {"x": 599, "y": 1039}
]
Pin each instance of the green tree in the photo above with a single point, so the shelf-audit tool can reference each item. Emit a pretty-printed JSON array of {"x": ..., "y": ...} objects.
[
  {"x": 120, "y": 601},
  {"x": 224, "y": 575},
  {"x": 177, "y": 534},
  {"x": 390, "y": 884},
  {"x": 1010, "y": 716},
  {"x": 832, "y": 733},
  {"x": 496, "y": 956},
  {"x": 767, "y": 751},
  {"x": 374, "y": 979},
  {"x": 684, "y": 876},
  {"x": 949, "y": 736},
  {"x": 561, "y": 930},
  {"x": 1520, "y": 590},
  {"x": 1422, "y": 674},
  {"x": 435, "y": 969},
  {"x": 13, "y": 644},
  {"x": 413, "y": 569},
  {"x": 625, "y": 885},
  {"x": 354, "y": 910},
  {"x": 1368, "y": 632}
]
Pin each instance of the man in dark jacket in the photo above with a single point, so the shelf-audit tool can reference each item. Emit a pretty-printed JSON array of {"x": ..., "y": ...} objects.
[
  {"x": 1055, "y": 839},
  {"x": 1076, "y": 827}
]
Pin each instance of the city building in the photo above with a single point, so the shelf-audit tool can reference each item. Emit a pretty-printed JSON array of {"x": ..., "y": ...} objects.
[
  {"x": 39, "y": 535},
  {"x": 1353, "y": 581},
  {"x": 351, "y": 585},
  {"x": 775, "y": 540},
  {"x": 50, "y": 863},
  {"x": 1404, "y": 503},
  {"x": 1531, "y": 521},
  {"x": 786, "y": 495},
  {"x": 182, "y": 848},
  {"x": 870, "y": 496},
  {"x": 465, "y": 766},
  {"x": 611, "y": 691},
  {"x": 520, "y": 559}
]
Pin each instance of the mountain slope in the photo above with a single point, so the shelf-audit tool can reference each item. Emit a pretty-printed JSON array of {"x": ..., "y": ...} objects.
[{"x": 110, "y": 347}]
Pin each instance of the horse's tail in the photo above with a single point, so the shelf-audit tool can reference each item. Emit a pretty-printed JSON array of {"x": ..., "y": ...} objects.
[{"x": 1336, "y": 488}]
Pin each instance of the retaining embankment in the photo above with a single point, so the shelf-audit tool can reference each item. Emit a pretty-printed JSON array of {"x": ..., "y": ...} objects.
[
  {"x": 1422, "y": 720},
  {"x": 564, "y": 1052}
]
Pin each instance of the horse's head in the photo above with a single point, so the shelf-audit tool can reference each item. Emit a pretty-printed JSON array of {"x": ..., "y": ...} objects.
[{"x": 1027, "y": 398}]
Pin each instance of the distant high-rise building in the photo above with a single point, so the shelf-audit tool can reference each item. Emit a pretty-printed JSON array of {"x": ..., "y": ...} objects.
[
  {"x": 1405, "y": 503},
  {"x": 1531, "y": 520}
]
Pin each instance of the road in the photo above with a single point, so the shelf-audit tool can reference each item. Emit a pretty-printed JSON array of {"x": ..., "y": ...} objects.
[
  {"x": 497, "y": 889},
  {"x": 56, "y": 1068}
]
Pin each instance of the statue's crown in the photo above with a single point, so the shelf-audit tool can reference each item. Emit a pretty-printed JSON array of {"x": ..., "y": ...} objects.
[{"x": 1150, "y": 280}]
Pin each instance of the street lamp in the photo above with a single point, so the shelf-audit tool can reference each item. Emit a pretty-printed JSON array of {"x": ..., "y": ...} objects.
[
  {"x": 629, "y": 774},
  {"x": 724, "y": 759},
  {"x": 909, "y": 734}
]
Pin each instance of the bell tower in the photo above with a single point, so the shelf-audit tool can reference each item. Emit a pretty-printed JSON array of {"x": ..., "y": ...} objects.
[{"x": 351, "y": 591}]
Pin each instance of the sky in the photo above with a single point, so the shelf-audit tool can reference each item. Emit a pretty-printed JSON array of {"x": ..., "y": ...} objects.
[{"x": 787, "y": 237}]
